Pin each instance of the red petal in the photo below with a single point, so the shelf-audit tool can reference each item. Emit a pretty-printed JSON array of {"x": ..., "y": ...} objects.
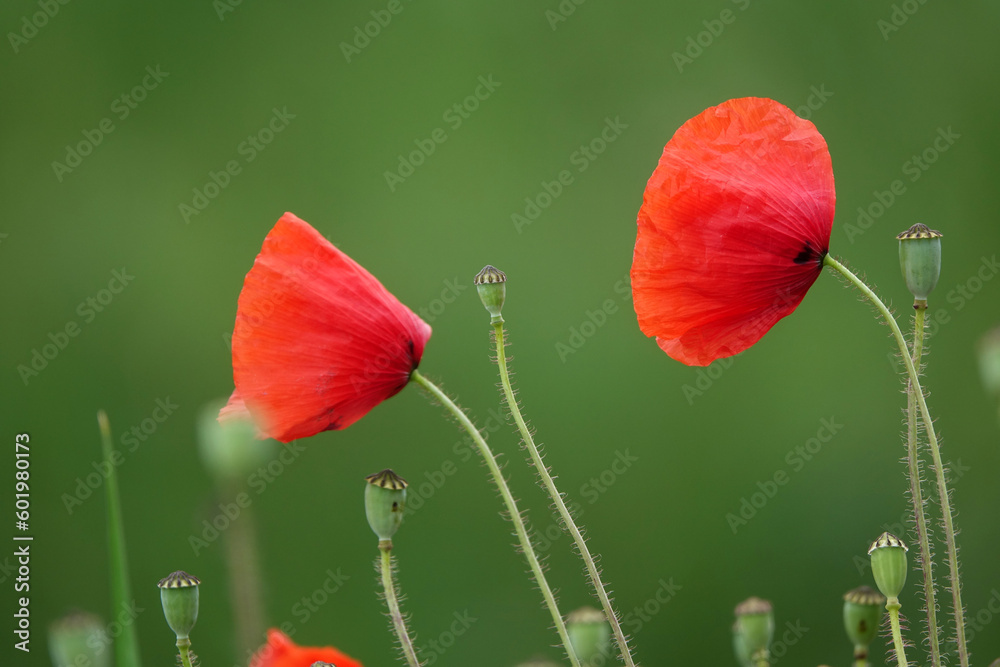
[
  {"x": 318, "y": 340},
  {"x": 235, "y": 408},
  {"x": 280, "y": 651},
  {"x": 733, "y": 228}
]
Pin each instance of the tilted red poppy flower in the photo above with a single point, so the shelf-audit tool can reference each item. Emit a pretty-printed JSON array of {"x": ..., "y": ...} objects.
[
  {"x": 318, "y": 340},
  {"x": 734, "y": 225},
  {"x": 280, "y": 651}
]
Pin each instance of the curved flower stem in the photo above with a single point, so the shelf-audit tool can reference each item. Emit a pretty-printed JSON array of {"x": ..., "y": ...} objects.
[
  {"x": 391, "y": 601},
  {"x": 942, "y": 484},
  {"x": 916, "y": 494},
  {"x": 510, "y": 503},
  {"x": 892, "y": 606},
  {"x": 557, "y": 499}
]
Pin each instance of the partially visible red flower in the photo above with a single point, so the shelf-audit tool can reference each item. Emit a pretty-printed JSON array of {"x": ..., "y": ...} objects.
[
  {"x": 280, "y": 651},
  {"x": 318, "y": 340},
  {"x": 734, "y": 225}
]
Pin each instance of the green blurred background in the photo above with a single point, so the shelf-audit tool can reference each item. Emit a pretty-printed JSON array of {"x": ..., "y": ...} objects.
[{"x": 878, "y": 95}]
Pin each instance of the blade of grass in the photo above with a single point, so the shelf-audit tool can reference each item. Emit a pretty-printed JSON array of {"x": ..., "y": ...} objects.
[{"x": 127, "y": 643}]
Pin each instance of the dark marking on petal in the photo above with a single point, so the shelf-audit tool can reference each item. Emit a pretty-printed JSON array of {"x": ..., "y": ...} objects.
[{"x": 807, "y": 253}]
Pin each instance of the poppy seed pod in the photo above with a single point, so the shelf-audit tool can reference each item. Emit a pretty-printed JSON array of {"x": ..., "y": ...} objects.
[
  {"x": 888, "y": 556},
  {"x": 179, "y": 596},
  {"x": 385, "y": 502},
  {"x": 755, "y": 624},
  {"x": 862, "y": 615},
  {"x": 590, "y": 634},
  {"x": 491, "y": 283},
  {"x": 920, "y": 259},
  {"x": 740, "y": 647}
]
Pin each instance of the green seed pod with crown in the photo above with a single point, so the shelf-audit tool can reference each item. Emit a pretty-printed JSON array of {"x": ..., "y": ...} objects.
[
  {"x": 755, "y": 625},
  {"x": 920, "y": 259},
  {"x": 888, "y": 557},
  {"x": 863, "y": 608},
  {"x": 590, "y": 635},
  {"x": 491, "y": 283},
  {"x": 179, "y": 596},
  {"x": 385, "y": 502}
]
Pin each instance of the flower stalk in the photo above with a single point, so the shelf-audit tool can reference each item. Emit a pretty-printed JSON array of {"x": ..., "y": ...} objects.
[
  {"x": 508, "y": 499},
  {"x": 916, "y": 493},
  {"x": 392, "y": 601},
  {"x": 557, "y": 499},
  {"x": 942, "y": 485}
]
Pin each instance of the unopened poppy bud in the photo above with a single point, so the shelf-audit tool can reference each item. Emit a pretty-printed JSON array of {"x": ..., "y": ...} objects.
[
  {"x": 920, "y": 259},
  {"x": 230, "y": 448},
  {"x": 590, "y": 634},
  {"x": 862, "y": 615},
  {"x": 385, "y": 502},
  {"x": 79, "y": 638},
  {"x": 179, "y": 596},
  {"x": 491, "y": 283},
  {"x": 755, "y": 624},
  {"x": 989, "y": 360},
  {"x": 888, "y": 555}
]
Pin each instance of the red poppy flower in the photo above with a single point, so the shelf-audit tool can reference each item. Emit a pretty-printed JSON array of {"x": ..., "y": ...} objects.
[
  {"x": 280, "y": 651},
  {"x": 318, "y": 340},
  {"x": 734, "y": 225}
]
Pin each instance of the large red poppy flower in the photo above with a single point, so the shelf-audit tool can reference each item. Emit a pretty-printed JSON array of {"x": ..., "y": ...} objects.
[
  {"x": 734, "y": 225},
  {"x": 280, "y": 651},
  {"x": 318, "y": 340}
]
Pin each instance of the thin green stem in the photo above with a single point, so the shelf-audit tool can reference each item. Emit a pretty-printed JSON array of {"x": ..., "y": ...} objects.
[
  {"x": 860, "y": 656},
  {"x": 127, "y": 644},
  {"x": 916, "y": 494},
  {"x": 557, "y": 499},
  {"x": 892, "y": 605},
  {"x": 391, "y": 601},
  {"x": 942, "y": 484},
  {"x": 509, "y": 502},
  {"x": 762, "y": 659},
  {"x": 244, "y": 579},
  {"x": 184, "y": 649}
]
